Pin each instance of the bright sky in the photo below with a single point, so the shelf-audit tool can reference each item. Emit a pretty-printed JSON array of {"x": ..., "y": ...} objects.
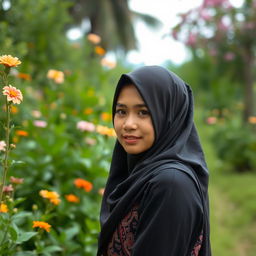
[{"x": 154, "y": 47}]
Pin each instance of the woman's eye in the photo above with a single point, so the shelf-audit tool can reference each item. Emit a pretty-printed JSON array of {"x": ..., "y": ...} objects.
[
  {"x": 143, "y": 112},
  {"x": 120, "y": 112}
]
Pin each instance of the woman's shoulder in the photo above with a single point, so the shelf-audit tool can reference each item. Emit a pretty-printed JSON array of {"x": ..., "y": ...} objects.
[{"x": 172, "y": 178}]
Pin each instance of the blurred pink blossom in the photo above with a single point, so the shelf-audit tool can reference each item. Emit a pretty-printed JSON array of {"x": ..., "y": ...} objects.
[
  {"x": 191, "y": 39},
  {"x": 85, "y": 126},
  {"x": 90, "y": 141},
  {"x": 40, "y": 123},
  {"x": 36, "y": 113},
  {"x": 2, "y": 145},
  {"x": 229, "y": 56},
  {"x": 8, "y": 188},
  {"x": 209, "y": 3},
  {"x": 211, "y": 120},
  {"x": 213, "y": 52}
]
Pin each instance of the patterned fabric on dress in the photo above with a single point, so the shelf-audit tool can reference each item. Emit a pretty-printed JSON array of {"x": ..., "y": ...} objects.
[{"x": 124, "y": 236}]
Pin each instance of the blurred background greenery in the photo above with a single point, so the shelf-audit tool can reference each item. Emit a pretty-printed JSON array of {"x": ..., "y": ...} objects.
[{"x": 63, "y": 129}]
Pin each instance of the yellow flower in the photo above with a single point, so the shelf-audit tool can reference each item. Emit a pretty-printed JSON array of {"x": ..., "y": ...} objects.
[
  {"x": 104, "y": 130},
  {"x": 51, "y": 195},
  {"x": 13, "y": 94},
  {"x": 81, "y": 183},
  {"x": 3, "y": 208},
  {"x": 9, "y": 61},
  {"x": 14, "y": 110},
  {"x": 72, "y": 198},
  {"x": 93, "y": 38},
  {"x": 99, "y": 50},
  {"x": 56, "y": 75},
  {"x": 42, "y": 224}
]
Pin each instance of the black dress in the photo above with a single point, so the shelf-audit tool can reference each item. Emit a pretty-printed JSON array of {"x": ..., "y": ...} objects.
[{"x": 167, "y": 184}]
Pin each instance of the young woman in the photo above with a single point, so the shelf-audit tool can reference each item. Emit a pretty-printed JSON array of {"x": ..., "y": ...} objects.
[{"x": 156, "y": 200}]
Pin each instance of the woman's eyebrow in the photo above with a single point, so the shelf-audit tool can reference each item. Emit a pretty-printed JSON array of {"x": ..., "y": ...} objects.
[{"x": 136, "y": 106}]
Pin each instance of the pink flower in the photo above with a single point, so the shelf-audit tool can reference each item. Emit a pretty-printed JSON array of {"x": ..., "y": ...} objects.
[
  {"x": 40, "y": 123},
  {"x": 13, "y": 94},
  {"x": 229, "y": 56},
  {"x": 2, "y": 145},
  {"x": 36, "y": 113},
  {"x": 90, "y": 141},
  {"x": 15, "y": 180},
  {"x": 8, "y": 188},
  {"x": 85, "y": 126},
  {"x": 191, "y": 40},
  {"x": 211, "y": 120}
]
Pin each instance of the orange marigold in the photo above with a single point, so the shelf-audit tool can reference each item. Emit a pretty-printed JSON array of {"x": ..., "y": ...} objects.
[
  {"x": 9, "y": 61},
  {"x": 3, "y": 208},
  {"x": 51, "y": 195},
  {"x": 81, "y": 183},
  {"x": 99, "y": 50},
  {"x": 88, "y": 111},
  {"x": 72, "y": 198},
  {"x": 106, "y": 116},
  {"x": 21, "y": 133},
  {"x": 41, "y": 224},
  {"x": 24, "y": 76},
  {"x": 13, "y": 94}
]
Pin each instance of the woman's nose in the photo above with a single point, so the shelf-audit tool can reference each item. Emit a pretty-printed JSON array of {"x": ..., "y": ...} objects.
[{"x": 130, "y": 123}]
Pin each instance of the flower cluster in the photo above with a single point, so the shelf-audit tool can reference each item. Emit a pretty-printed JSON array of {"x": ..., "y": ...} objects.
[
  {"x": 56, "y": 75},
  {"x": 42, "y": 225},
  {"x": 51, "y": 195},
  {"x": 9, "y": 61},
  {"x": 81, "y": 183}
]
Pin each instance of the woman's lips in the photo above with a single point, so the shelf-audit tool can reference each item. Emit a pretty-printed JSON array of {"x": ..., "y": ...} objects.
[{"x": 130, "y": 139}]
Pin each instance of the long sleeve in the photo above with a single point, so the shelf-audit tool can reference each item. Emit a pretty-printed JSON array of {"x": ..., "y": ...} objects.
[{"x": 171, "y": 216}]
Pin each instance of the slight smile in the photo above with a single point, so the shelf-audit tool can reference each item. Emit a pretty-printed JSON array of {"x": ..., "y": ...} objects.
[{"x": 130, "y": 139}]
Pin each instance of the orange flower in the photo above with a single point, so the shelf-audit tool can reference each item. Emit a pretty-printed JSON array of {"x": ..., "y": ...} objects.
[
  {"x": 99, "y": 50},
  {"x": 13, "y": 94},
  {"x": 72, "y": 198},
  {"x": 9, "y": 61},
  {"x": 51, "y": 195},
  {"x": 56, "y": 75},
  {"x": 21, "y": 133},
  {"x": 93, "y": 38},
  {"x": 24, "y": 76},
  {"x": 42, "y": 224},
  {"x": 14, "y": 110},
  {"x": 252, "y": 119},
  {"x": 3, "y": 208},
  {"x": 106, "y": 116},
  {"x": 81, "y": 183},
  {"x": 88, "y": 111}
]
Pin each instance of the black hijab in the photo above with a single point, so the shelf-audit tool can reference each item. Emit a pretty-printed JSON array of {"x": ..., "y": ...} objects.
[{"x": 176, "y": 145}]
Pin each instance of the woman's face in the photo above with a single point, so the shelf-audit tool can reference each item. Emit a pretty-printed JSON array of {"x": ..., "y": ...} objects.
[{"x": 132, "y": 121}]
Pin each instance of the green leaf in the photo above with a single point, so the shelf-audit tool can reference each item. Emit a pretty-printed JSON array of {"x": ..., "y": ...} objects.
[
  {"x": 52, "y": 248},
  {"x": 14, "y": 231},
  {"x": 25, "y": 236}
]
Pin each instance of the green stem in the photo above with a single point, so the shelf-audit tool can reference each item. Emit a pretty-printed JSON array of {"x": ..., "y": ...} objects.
[
  {"x": 7, "y": 149},
  {"x": 6, "y": 230}
]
